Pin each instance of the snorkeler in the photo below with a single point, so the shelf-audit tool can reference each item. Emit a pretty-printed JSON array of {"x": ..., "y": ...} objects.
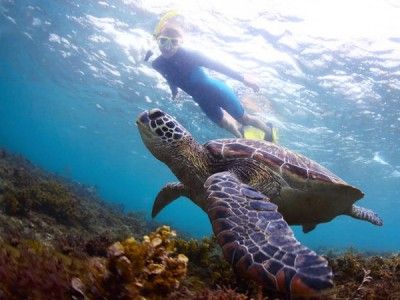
[{"x": 182, "y": 68}]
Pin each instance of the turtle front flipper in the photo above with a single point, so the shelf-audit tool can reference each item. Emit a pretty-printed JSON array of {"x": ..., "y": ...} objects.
[
  {"x": 257, "y": 241},
  {"x": 168, "y": 193}
]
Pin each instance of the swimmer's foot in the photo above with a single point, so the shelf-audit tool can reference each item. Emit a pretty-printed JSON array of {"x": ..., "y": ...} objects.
[
  {"x": 254, "y": 133},
  {"x": 270, "y": 133}
]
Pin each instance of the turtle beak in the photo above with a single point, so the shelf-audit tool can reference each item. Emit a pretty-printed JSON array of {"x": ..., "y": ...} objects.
[
  {"x": 143, "y": 118},
  {"x": 143, "y": 125}
]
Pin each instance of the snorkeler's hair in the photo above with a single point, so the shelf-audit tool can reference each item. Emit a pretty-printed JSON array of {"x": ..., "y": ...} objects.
[
  {"x": 172, "y": 31},
  {"x": 171, "y": 23}
]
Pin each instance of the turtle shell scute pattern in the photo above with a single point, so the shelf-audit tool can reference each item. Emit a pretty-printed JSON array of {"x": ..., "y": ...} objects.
[{"x": 280, "y": 159}]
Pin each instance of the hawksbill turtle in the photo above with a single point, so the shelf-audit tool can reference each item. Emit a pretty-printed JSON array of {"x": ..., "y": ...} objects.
[{"x": 252, "y": 191}]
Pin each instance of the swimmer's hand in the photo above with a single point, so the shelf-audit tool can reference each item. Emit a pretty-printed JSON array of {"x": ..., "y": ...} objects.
[
  {"x": 149, "y": 53},
  {"x": 251, "y": 82},
  {"x": 174, "y": 91},
  {"x": 175, "y": 95}
]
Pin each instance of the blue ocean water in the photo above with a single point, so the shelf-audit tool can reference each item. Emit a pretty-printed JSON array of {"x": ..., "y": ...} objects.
[{"x": 73, "y": 80}]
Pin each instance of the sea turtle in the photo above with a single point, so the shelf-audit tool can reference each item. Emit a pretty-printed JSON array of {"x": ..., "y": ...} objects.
[{"x": 251, "y": 190}]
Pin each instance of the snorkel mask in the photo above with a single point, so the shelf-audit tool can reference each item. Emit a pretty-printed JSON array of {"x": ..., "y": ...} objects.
[
  {"x": 169, "y": 41},
  {"x": 166, "y": 41}
]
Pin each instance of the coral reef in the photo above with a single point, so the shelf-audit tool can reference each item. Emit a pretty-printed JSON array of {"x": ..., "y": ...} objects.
[
  {"x": 208, "y": 268},
  {"x": 150, "y": 269},
  {"x": 359, "y": 276},
  {"x": 37, "y": 205},
  {"x": 219, "y": 293},
  {"x": 205, "y": 262},
  {"x": 32, "y": 270},
  {"x": 132, "y": 269},
  {"x": 47, "y": 197}
]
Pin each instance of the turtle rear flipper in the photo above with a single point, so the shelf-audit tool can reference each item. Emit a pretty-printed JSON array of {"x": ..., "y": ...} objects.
[
  {"x": 168, "y": 193},
  {"x": 257, "y": 241},
  {"x": 365, "y": 214}
]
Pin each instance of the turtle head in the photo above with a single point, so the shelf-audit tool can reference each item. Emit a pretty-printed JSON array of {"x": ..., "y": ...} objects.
[{"x": 162, "y": 134}]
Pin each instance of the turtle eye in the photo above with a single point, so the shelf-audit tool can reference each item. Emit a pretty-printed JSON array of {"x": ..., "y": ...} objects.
[{"x": 144, "y": 118}]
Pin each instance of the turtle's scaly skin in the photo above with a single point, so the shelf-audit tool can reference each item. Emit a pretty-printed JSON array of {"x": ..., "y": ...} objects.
[
  {"x": 251, "y": 191},
  {"x": 258, "y": 242}
]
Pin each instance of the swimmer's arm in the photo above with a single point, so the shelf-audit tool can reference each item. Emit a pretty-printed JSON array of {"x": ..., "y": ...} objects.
[
  {"x": 217, "y": 66},
  {"x": 223, "y": 69},
  {"x": 174, "y": 90},
  {"x": 172, "y": 87},
  {"x": 149, "y": 54}
]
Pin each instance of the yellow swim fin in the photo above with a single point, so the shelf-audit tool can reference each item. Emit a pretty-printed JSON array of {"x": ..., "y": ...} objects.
[
  {"x": 252, "y": 133},
  {"x": 275, "y": 135},
  {"x": 272, "y": 134}
]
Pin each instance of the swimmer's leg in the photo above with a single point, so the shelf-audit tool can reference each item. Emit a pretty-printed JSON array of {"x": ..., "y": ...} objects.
[
  {"x": 248, "y": 119},
  {"x": 215, "y": 114},
  {"x": 268, "y": 128},
  {"x": 228, "y": 100},
  {"x": 236, "y": 110},
  {"x": 231, "y": 126},
  {"x": 251, "y": 120}
]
